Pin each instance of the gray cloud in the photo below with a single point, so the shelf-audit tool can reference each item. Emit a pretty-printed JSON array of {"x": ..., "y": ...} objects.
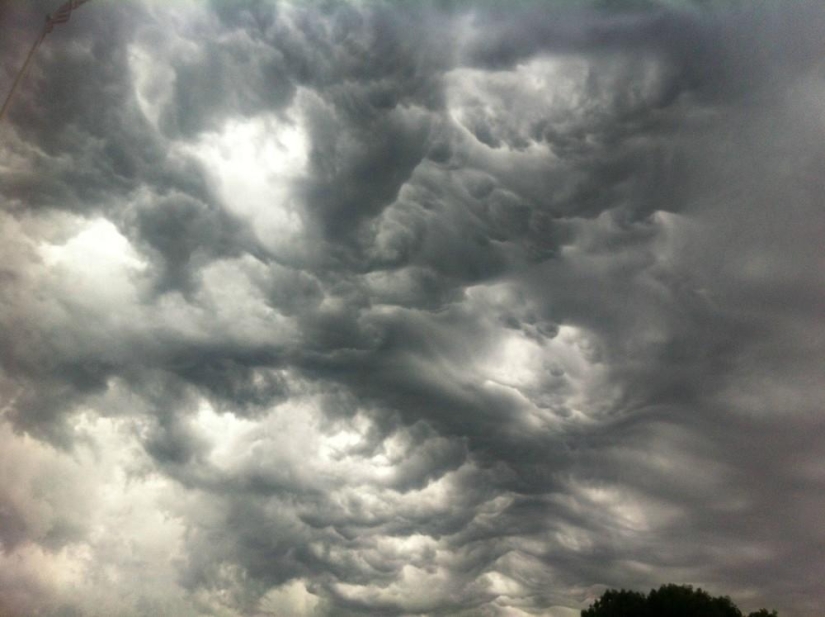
[{"x": 356, "y": 309}]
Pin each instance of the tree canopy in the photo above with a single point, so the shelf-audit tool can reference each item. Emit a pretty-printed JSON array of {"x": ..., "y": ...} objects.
[{"x": 667, "y": 601}]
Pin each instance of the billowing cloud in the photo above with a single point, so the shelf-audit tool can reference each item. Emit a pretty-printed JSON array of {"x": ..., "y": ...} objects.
[{"x": 445, "y": 309}]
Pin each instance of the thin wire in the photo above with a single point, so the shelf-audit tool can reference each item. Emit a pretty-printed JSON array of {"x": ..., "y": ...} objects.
[{"x": 23, "y": 72}]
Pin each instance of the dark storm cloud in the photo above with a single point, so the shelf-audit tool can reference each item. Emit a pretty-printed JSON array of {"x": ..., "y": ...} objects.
[{"x": 505, "y": 307}]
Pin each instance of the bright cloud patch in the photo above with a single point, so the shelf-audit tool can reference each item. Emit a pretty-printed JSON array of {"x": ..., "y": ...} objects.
[{"x": 256, "y": 164}]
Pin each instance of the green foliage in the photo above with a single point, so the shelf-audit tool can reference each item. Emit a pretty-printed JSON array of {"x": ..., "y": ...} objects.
[{"x": 667, "y": 601}]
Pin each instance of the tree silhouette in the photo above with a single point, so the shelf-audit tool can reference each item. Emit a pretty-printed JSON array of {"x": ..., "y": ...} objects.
[
  {"x": 667, "y": 601},
  {"x": 684, "y": 601},
  {"x": 621, "y": 603}
]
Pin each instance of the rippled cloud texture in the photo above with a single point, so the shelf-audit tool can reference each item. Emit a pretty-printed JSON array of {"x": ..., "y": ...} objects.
[{"x": 411, "y": 308}]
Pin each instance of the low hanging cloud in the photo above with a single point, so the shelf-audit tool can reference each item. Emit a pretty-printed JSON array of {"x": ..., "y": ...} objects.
[{"x": 432, "y": 309}]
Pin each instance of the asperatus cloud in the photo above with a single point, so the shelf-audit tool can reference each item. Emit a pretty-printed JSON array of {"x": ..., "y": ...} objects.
[{"x": 439, "y": 308}]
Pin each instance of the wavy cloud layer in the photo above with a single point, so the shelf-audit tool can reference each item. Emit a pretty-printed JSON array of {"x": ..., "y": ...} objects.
[{"x": 400, "y": 309}]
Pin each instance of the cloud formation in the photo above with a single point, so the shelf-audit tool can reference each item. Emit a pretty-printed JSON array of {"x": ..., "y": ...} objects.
[{"x": 432, "y": 309}]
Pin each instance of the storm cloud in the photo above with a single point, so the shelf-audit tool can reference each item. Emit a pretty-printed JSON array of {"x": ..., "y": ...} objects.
[{"x": 434, "y": 308}]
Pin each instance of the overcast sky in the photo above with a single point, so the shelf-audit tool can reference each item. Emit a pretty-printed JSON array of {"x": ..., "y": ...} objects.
[{"x": 411, "y": 308}]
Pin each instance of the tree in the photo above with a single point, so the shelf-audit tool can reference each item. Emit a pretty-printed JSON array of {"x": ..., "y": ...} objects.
[
  {"x": 618, "y": 604},
  {"x": 667, "y": 601},
  {"x": 685, "y": 601}
]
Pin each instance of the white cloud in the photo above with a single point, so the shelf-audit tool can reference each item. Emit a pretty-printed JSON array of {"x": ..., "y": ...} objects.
[{"x": 256, "y": 163}]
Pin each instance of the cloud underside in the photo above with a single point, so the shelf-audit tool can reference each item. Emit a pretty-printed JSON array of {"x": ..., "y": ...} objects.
[{"x": 442, "y": 309}]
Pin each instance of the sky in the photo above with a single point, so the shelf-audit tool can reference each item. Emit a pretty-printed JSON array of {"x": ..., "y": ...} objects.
[{"x": 449, "y": 308}]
